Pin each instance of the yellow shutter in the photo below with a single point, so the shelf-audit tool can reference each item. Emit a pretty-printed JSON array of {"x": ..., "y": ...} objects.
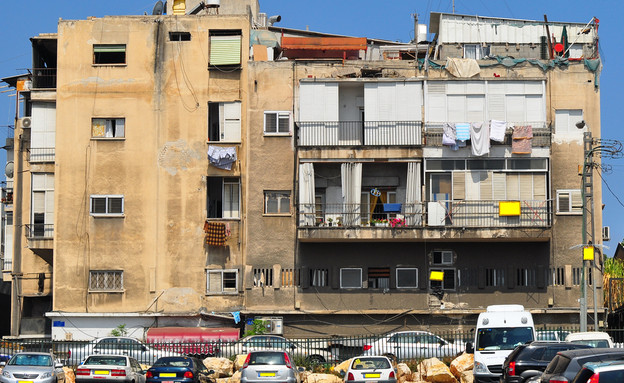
[
  {"x": 179, "y": 7},
  {"x": 225, "y": 50},
  {"x": 459, "y": 185}
]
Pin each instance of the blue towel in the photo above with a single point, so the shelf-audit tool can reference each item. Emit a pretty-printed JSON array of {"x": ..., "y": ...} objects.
[
  {"x": 392, "y": 207},
  {"x": 462, "y": 131}
]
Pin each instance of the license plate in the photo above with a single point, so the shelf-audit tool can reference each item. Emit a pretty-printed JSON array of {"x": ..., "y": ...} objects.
[
  {"x": 101, "y": 372},
  {"x": 24, "y": 381},
  {"x": 167, "y": 375},
  {"x": 372, "y": 375},
  {"x": 263, "y": 374}
]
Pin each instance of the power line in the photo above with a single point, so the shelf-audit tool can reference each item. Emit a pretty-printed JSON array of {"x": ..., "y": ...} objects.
[{"x": 609, "y": 188}]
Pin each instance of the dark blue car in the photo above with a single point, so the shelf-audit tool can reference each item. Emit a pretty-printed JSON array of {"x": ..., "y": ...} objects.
[{"x": 183, "y": 369}]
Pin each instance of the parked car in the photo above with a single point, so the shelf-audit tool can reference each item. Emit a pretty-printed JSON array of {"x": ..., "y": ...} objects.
[
  {"x": 116, "y": 346},
  {"x": 181, "y": 369},
  {"x": 609, "y": 372},
  {"x": 531, "y": 359},
  {"x": 566, "y": 364},
  {"x": 552, "y": 335},
  {"x": 370, "y": 369},
  {"x": 270, "y": 367},
  {"x": 411, "y": 345},
  {"x": 40, "y": 367},
  {"x": 110, "y": 368},
  {"x": 592, "y": 338},
  {"x": 312, "y": 352}
]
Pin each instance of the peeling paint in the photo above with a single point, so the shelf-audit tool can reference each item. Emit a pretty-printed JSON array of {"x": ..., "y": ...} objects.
[{"x": 176, "y": 156}]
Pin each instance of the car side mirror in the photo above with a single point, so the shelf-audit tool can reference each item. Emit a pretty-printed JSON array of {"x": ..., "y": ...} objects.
[
  {"x": 2, "y": 364},
  {"x": 469, "y": 348},
  {"x": 143, "y": 348},
  {"x": 442, "y": 343},
  {"x": 292, "y": 347}
]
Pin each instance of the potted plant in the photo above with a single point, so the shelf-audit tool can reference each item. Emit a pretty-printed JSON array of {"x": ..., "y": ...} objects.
[
  {"x": 319, "y": 221},
  {"x": 329, "y": 221},
  {"x": 339, "y": 221}
]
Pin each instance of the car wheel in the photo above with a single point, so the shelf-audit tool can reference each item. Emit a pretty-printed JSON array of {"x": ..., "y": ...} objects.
[{"x": 315, "y": 360}]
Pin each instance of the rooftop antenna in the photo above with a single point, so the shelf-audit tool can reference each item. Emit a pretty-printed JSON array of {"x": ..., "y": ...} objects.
[
  {"x": 415, "y": 16},
  {"x": 453, "y": 6},
  {"x": 159, "y": 8}
]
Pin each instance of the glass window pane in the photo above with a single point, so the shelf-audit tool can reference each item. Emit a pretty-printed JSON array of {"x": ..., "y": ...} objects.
[
  {"x": 351, "y": 278},
  {"x": 98, "y": 205},
  {"x": 284, "y": 123},
  {"x": 115, "y": 205},
  {"x": 284, "y": 204},
  {"x": 270, "y": 121},
  {"x": 407, "y": 277}
]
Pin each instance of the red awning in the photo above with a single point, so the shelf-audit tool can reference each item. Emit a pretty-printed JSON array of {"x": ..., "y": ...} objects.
[
  {"x": 324, "y": 43},
  {"x": 191, "y": 334}
]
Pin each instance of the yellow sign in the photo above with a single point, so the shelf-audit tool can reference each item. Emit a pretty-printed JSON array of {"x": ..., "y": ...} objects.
[
  {"x": 509, "y": 208},
  {"x": 436, "y": 276},
  {"x": 588, "y": 253}
]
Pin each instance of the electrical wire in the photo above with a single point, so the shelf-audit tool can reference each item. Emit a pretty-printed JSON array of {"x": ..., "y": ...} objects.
[{"x": 609, "y": 188}]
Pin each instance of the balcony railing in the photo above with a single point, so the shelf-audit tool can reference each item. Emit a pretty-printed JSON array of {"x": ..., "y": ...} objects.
[
  {"x": 432, "y": 214},
  {"x": 44, "y": 78},
  {"x": 541, "y": 134},
  {"x": 358, "y": 133},
  {"x": 41, "y": 155},
  {"x": 40, "y": 231}
]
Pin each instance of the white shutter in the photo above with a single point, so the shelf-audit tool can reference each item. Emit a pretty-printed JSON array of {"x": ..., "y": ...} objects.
[
  {"x": 408, "y": 101},
  {"x": 456, "y": 108},
  {"x": 539, "y": 187},
  {"x": 473, "y": 180},
  {"x": 38, "y": 201},
  {"x": 310, "y": 101},
  {"x": 499, "y": 186},
  {"x": 535, "y": 108},
  {"x": 371, "y": 99},
  {"x": 231, "y": 121},
  {"x": 386, "y": 102},
  {"x": 475, "y": 108},
  {"x": 515, "y": 107},
  {"x": 436, "y": 101},
  {"x": 496, "y": 107},
  {"x": 43, "y": 129},
  {"x": 330, "y": 99}
]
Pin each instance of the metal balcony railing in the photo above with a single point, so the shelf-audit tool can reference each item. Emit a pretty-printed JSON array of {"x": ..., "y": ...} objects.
[
  {"x": 40, "y": 231},
  {"x": 541, "y": 134},
  {"x": 41, "y": 154},
  {"x": 44, "y": 78},
  {"x": 431, "y": 214},
  {"x": 358, "y": 133}
]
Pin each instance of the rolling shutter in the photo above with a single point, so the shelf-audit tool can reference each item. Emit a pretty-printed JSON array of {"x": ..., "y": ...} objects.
[
  {"x": 225, "y": 50},
  {"x": 512, "y": 187},
  {"x": 499, "y": 186},
  {"x": 459, "y": 185},
  {"x": 486, "y": 186}
]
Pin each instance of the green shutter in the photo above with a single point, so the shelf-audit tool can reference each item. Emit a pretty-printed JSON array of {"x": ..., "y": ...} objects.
[
  {"x": 225, "y": 50},
  {"x": 109, "y": 48}
]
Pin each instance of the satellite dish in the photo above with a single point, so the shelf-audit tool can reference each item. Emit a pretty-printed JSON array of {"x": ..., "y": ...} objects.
[
  {"x": 159, "y": 8},
  {"x": 8, "y": 169}
]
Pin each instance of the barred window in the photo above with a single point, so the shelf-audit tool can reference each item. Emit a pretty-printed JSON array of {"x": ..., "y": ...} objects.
[
  {"x": 106, "y": 280},
  {"x": 494, "y": 277},
  {"x": 221, "y": 281},
  {"x": 263, "y": 277},
  {"x": 110, "y": 205},
  {"x": 319, "y": 277}
]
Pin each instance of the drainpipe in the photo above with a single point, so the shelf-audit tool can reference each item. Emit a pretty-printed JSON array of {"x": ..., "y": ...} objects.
[{"x": 16, "y": 272}]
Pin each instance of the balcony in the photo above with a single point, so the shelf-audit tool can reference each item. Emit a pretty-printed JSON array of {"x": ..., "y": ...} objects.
[
  {"x": 44, "y": 78},
  {"x": 541, "y": 134},
  {"x": 41, "y": 155},
  {"x": 40, "y": 236},
  {"x": 358, "y": 133}
]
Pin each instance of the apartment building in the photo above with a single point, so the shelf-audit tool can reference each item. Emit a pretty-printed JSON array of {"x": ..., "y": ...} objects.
[{"x": 182, "y": 169}]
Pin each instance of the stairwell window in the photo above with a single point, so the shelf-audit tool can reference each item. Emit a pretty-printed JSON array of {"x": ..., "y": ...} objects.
[
  {"x": 108, "y": 127},
  {"x": 221, "y": 281},
  {"x": 277, "y": 202},
  {"x": 107, "y": 205},
  {"x": 107, "y": 54},
  {"x": 106, "y": 280},
  {"x": 569, "y": 202},
  {"x": 276, "y": 123}
]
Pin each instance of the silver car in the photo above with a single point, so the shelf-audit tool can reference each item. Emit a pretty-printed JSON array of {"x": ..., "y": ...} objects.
[
  {"x": 110, "y": 368},
  {"x": 32, "y": 367},
  {"x": 406, "y": 345},
  {"x": 269, "y": 367}
]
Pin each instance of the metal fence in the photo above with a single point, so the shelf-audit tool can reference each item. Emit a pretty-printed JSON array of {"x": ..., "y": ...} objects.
[
  {"x": 358, "y": 133},
  {"x": 40, "y": 231},
  {"x": 41, "y": 155},
  {"x": 44, "y": 78}
]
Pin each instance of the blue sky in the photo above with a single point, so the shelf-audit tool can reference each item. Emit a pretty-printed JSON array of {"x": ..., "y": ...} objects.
[{"x": 389, "y": 19}]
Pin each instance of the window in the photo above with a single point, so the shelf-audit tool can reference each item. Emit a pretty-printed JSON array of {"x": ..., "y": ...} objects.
[
  {"x": 179, "y": 36},
  {"x": 494, "y": 277},
  {"x": 351, "y": 278},
  {"x": 224, "y": 121},
  {"x": 108, "y": 127},
  {"x": 109, "y": 54},
  {"x": 319, "y": 277},
  {"x": 223, "y": 197},
  {"x": 111, "y": 205},
  {"x": 525, "y": 277},
  {"x": 277, "y": 202},
  {"x": 42, "y": 218},
  {"x": 263, "y": 277},
  {"x": 556, "y": 276},
  {"x": 106, "y": 280},
  {"x": 406, "y": 278},
  {"x": 565, "y": 123},
  {"x": 441, "y": 257},
  {"x": 222, "y": 281},
  {"x": 569, "y": 202},
  {"x": 448, "y": 282},
  {"x": 276, "y": 123},
  {"x": 476, "y": 51},
  {"x": 378, "y": 278},
  {"x": 225, "y": 47}
]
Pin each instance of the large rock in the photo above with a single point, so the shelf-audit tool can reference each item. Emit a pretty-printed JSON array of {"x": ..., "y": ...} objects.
[
  {"x": 462, "y": 363},
  {"x": 403, "y": 373},
  {"x": 437, "y": 372},
  {"x": 69, "y": 375},
  {"x": 323, "y": 378},
  {"x": 222, "y": 366},
  {"x": 343, "y": 366},
  {"x": 239, "y": 360},
  {"x": 235, "y": 378},
  {"x": 467, "y": 377}
]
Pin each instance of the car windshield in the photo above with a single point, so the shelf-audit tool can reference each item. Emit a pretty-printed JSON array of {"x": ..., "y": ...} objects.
[
  {"x": 259, "y": 358},
  {"x": 30, "y": 360},
  {"x": 173, "y": 362},
  {"x": 370, "y": 363},
  {"x": 599, "y": 343},
  {"x": 106, "y": 360},
  {"x": 503, "y": 338}
]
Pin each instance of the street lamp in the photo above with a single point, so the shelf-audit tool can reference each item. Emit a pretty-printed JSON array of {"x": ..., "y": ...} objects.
[{"x": 600, "y": 148}]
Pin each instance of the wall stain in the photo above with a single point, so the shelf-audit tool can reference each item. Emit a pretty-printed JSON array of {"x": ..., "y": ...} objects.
[{"x": 177, "y": 156}]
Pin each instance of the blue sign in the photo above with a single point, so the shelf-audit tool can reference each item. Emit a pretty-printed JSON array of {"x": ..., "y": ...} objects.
[
  {"x": 249, "y": 321},
  {"x": 58, "y": 323}
]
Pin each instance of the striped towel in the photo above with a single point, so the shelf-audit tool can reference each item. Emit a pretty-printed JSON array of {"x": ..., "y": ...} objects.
[{"x": 462, "y": 131}]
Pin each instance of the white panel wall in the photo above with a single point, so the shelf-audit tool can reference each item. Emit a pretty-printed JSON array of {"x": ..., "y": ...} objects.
[{"x": 43, "y": 128}]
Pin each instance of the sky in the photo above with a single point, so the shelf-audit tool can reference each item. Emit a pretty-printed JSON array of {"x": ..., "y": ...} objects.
[{"x": 383, "y": 19}]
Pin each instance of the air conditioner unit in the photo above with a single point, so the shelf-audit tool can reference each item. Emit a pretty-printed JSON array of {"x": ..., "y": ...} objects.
[
  {"x": 606, "y": 233},
  {"x": 25, "y": 122}
]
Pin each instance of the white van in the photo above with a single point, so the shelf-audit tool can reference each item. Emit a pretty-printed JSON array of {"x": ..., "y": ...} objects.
[
  {"x": 499, "y": 330},
  {"x": 591, "y": 338}
]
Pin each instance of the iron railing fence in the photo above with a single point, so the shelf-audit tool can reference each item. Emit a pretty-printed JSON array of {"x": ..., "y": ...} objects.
[
  {"x": 402, "y": 345},
  {"x": 44, "y": 78},
  {"x": 40, "y": 231},
  {"x": 41, "y": 155},
  {"x": 358, "y": 133},
  {"x": 451, "y": 213},
  {"x": 541, "y": 134}
]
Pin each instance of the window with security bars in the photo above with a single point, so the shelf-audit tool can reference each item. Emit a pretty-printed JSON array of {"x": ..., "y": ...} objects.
[
  {"x": 106, "y": 280},
  {"x": 111, "y": 205},
  {"x": 221, "y": 281},
  {"x": 378, "y": 278},
  {"x": 556, "y": 276},
  {"x": 319, "y": 277},
  {"x": 494, "y": 277},
  {"x": 263, "y": 277},
  {"x": 276, "y": 123},
  {"x": 406, "y": 277},
  {"x": 526, "y": 277}
]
